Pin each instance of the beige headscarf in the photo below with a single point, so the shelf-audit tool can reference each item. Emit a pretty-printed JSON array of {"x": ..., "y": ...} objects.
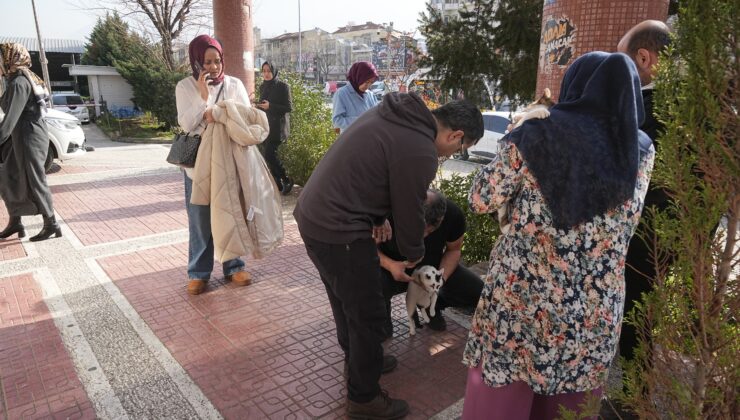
[{"x": 15, "y": 58}]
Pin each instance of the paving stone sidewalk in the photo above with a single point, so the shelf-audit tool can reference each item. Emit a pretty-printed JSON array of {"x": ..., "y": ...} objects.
[{"x": 98, "y": 324}]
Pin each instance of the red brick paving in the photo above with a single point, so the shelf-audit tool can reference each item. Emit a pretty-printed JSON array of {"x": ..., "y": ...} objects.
[
  {"x": 269, "y": 349},
  {"x": 37, "y": 377},
  {"x": 67, "y": 169},
  {"x": 10, "y": 248},
  {"x": 113, "y": 210}
]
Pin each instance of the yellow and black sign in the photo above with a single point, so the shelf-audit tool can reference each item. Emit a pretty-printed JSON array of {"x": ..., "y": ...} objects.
[{"x": 557, "y": 38}]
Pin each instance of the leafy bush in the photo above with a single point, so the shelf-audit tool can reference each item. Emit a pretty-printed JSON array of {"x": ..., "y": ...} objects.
[
  {"x": 154, "y": 89},
  {"x": 145, "y": 126},
  {"x": 481, "y": 229},
  {"x": 311, "y": 131}
]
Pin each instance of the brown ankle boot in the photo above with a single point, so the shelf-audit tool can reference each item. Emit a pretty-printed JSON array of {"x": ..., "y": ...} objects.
[
  {"x": 240, "y": 278},
  {"x": 196, "y": 286}
]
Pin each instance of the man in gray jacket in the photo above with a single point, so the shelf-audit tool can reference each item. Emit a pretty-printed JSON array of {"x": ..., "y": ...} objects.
[{"x": 380, "y": 166}]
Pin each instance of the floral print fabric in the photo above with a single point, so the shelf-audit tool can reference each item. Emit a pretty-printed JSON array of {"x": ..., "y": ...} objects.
[{"x": 551, "y": 311}]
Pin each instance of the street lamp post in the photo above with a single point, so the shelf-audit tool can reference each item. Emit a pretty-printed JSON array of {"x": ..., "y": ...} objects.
[
  {"x": 42, "y": 53},
  {"x": 300, "y": 50},
  {"x": 388, "y": 31}
]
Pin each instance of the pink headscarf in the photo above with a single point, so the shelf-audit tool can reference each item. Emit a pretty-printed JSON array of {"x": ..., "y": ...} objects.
[
  {"x": 197, "y": 51},
  {"x": 359, "y": 73}
]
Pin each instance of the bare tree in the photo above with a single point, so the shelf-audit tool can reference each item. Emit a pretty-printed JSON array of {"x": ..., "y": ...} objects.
[{"x": 162, "y": 20}]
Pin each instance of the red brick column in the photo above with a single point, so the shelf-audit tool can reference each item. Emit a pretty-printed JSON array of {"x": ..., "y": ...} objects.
[
  {"x": 571, "y": 28},
  {"x": 232, "y": 21}
]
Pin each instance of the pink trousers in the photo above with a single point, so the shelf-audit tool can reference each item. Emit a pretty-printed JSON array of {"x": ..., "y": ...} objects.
[{"x": 516, "y": 401}]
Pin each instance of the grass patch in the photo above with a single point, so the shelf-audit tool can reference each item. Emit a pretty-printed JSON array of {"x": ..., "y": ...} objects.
[{"x": 142, "y": 127}]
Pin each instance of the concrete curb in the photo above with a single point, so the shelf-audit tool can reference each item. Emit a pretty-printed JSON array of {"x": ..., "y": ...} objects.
[{"x": 141, "y": 140}]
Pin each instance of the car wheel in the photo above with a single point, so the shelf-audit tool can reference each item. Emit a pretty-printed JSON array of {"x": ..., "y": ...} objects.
[{"x": 49, "y": 158}]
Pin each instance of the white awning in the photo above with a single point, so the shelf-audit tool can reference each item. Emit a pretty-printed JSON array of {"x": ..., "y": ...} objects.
[{"x": 84, "y": 70}]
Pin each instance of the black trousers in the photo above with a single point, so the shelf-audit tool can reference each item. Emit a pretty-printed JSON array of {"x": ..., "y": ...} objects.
[
  {"x": 639, "y": 275},
  {"x": 270, "y": 153},
  {"x": 351, "y": 276},
  {"x": 462, "y": 289}
]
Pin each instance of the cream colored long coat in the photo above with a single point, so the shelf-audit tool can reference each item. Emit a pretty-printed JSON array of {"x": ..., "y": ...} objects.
[{"x": 231, "y": 176}]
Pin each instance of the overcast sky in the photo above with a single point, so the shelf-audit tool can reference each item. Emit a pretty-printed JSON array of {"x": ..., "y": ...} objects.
[{"x": 62, "y": 19}]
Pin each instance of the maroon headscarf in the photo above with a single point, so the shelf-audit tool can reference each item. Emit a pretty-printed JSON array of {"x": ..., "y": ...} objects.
[
  {"x": 359, "y": 73},
  {"x": 197, "y": 51}
]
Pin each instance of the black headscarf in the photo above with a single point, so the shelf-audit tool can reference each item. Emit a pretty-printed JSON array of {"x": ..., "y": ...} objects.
[
  {"x": 585, "y": 155},
  {"x": 267, "y": 85}
]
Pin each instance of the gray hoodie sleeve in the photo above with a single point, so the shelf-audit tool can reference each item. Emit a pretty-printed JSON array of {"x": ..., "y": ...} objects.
[{"x": 409, "y": 180}]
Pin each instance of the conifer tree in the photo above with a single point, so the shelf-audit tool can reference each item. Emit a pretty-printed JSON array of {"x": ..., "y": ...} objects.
[
  {"x": 494, "y": 42},
  {"x": 690, "y": 368},
  {"x": 112, "y": 41}
]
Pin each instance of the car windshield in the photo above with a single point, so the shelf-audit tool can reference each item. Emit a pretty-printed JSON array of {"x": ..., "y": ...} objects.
[
  {"x": 495, "y": 123},
  {"x": 67, "y": 100}
]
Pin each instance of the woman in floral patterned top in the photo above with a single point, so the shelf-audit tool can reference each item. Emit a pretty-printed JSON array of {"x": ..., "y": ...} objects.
[{"x": 548, "y": 321}]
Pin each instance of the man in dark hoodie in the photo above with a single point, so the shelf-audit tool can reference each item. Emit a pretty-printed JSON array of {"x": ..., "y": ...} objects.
[{"x": 380, "y": 166}]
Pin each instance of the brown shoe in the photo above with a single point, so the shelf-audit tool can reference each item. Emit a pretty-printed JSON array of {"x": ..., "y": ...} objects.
[
  {"x": 240, "y": 278},
  {"x": 381, "y": 407},
  {"x": 196, "y": 287}
]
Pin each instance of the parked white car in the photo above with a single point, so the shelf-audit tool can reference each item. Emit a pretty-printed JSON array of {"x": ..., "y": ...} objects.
[
  {"x": 494, "y": 123},
  {"x": 66, "y": 138},
  {"x": 72, "y": 104}
]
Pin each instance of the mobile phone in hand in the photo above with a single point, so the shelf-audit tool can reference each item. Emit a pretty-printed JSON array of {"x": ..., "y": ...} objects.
[{"x": 201, "y": 70}]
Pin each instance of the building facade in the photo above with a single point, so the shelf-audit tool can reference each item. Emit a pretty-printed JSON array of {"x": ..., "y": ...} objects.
[
  {"x": 327, "y": 56},
  {"x": 449, "y": 9}
]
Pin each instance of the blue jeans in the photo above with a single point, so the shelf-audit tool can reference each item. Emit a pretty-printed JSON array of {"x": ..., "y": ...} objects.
[{"x": 200, "y": 250}]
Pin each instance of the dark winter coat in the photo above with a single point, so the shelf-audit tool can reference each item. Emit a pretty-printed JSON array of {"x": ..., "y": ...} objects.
[
  {"x": 277, "y": 93},
  {"x": 24, "y": 144}
]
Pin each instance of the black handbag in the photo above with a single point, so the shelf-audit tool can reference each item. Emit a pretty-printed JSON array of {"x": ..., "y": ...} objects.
[{"x": 184, "y": 148}]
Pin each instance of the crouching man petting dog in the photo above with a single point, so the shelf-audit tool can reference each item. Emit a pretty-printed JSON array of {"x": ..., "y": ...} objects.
[
  {"x": 443, "y": 240},
  {"x": 381, "y": 165}
]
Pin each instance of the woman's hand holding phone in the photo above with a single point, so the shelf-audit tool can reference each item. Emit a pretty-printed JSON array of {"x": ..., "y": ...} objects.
[{"x": 203, "y": 83}]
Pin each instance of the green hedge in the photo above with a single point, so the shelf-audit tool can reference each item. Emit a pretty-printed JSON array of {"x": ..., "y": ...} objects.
[
  {"x": 311, "y": 131},
  {"x": 482, "y": 229}
]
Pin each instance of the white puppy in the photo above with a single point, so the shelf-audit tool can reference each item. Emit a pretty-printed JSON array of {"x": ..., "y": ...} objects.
[{"x": 422, "y": 293}]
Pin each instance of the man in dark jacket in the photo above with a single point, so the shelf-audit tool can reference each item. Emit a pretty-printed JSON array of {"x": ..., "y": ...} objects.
[
  {"x": 276, "y": 101},
  {"x": 380, "y": 166},
  {"x": 643, "y": 43}
]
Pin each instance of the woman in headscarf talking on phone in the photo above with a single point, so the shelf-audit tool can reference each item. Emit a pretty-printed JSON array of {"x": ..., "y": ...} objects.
[{"x": 196, "y": 97}]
